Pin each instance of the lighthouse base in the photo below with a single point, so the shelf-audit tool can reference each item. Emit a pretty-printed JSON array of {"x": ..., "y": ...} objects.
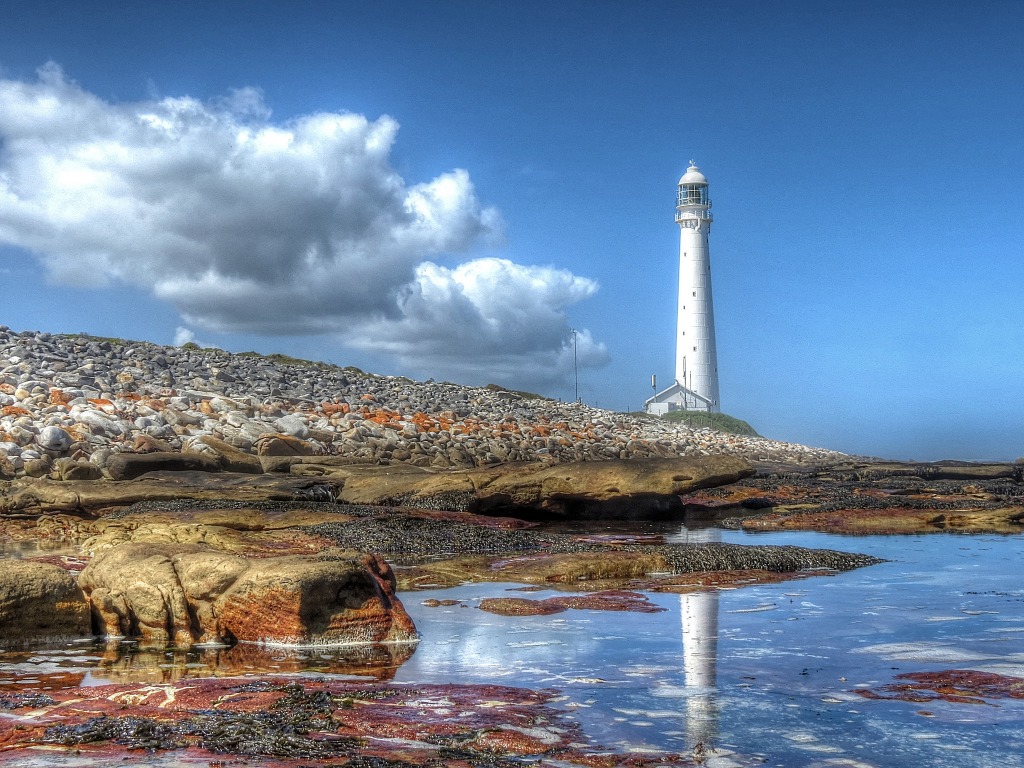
[{"x": 678, "y": 398}]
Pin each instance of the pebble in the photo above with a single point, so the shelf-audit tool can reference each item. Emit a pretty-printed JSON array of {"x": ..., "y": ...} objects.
[{"x": 86, "y": 398}]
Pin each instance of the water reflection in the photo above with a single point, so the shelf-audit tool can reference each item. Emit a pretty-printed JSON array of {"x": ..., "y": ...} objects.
[
  {"x": 100, "y": 663},
  {"x": 699, "y": 612},
  {"x": 725, "y": 673}
]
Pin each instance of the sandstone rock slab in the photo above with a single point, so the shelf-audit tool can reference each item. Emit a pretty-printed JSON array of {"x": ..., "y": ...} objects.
[
  {"x": 187, "y": 593},
  {"x": 625, "y": 488}
]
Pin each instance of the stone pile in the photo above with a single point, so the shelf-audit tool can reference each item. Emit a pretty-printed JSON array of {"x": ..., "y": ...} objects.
[{"x": 69, "y": 404}]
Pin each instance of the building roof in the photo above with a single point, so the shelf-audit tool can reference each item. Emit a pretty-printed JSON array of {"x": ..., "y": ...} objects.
[{"x": 693, "y": 176}]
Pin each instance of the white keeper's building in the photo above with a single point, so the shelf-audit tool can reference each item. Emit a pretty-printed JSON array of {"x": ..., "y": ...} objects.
[{"x": 696, "y": 383}]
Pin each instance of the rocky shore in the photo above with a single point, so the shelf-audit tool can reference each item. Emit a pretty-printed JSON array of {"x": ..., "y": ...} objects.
[
  {"x": 239, "y": 508},
  {"x": 69, "y": 404}
]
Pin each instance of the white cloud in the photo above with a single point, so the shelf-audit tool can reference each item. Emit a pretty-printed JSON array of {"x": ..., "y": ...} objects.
[
  {"x": 489, "y": 319},
  {"x": 249, "y": 225},
  {"x": 183, "y": 336}
]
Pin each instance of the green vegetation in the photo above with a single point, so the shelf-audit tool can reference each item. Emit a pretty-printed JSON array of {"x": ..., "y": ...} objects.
[
  {"x": 109, "y": 339},
  {"x": 279, "y": 359},
  {"x": 723, "y": 422},
  {"x": 524, "y": 395}
]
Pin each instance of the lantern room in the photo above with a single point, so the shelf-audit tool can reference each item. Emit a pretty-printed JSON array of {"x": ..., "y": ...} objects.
[{"x": 693, "y": 188}]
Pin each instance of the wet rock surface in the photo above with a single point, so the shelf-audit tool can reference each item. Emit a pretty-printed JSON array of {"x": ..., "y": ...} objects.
[
  {"x": 873, "y": 498},
  {"x": 611, "y": 600},
  {"x": 40, "y": 601},
  {"x": 957, "y": 686},
  {"x": 288, "y": 722}
]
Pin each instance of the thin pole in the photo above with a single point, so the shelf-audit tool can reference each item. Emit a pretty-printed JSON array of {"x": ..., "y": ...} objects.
[{"x": 575, "y": 365}]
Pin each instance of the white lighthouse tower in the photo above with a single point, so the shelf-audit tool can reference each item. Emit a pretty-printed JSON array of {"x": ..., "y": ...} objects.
[{"x": 696, "y": 383}]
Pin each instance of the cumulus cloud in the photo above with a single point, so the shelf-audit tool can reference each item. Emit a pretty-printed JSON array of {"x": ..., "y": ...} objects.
[
  {"x": 489, "y": 318},
  {"x": 183, "y": 336},
  {"x": 249, "y": 225}
]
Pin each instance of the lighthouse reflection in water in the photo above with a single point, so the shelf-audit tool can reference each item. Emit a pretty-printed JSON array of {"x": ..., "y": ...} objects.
[{"x": 699, "y": 612}]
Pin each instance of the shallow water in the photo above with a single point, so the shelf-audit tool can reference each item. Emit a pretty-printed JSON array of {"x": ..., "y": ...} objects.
[
  {"x": 772, "y": 670},
  {"x": 768, "y": 673}
]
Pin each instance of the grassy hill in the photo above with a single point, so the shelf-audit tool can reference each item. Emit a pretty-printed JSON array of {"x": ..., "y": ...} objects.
[{"x": 723, "y": 422}]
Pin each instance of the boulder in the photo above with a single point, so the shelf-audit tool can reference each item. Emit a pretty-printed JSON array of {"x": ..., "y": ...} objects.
[
  {"x": 54, "y": 438},
  {"x": 128, "y": 466},
  {"x": 143, "y": 443},
  {"x": 283, "y": 445},
  {"x": 230, "y": 458},
  {"x": 99, "y": 423},
  {"x": 38, "y": 467},
  {"x": 69, "y": 469},
  {"x": 316, "y": 600},
  {"x": 40, "y": 602},
  {"x": 293, "y": 425},
  {"x": 188, "y": 593}
]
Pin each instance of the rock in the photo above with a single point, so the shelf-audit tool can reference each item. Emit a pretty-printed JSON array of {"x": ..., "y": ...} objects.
[
  {"x": 36, "y": 495},
  {"x": 114, "y": 395},
  {"x": 99, "y": 423},
  {"x": 38, "y": 467},
  {"x": 608, "y": 600},
  {"x": 128, "y": 466},
  {"x": 282, "y": 445},
  {"x": 183, "y": 594},
  {"x": 231, "y": 459},
  {"x": 69, "y": 470},
  {"x": 293, "y": 425},
  {"x": 144, "y": 443},
  {"x": 938, "y": 470},
  {"x": 627, "y": 488},
  {"x": 316, "y": 601},
  {"x": 54, "y": 439},
  {"x": 40, "y": 602}
]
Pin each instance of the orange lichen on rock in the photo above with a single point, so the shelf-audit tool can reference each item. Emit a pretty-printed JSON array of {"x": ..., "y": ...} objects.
[
  {"x": 58, "y": 397},
  {"x": 13, "y": 410}
]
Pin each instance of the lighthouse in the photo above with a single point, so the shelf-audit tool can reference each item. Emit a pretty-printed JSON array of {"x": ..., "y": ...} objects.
[{"x": 696, "y": 377}]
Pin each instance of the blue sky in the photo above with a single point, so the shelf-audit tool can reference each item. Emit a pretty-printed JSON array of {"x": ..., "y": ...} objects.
[{"x": 864, "y": 161}]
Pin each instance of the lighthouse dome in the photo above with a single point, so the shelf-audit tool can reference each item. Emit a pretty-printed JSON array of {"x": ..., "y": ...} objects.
[{"x": 693, "y": 176}]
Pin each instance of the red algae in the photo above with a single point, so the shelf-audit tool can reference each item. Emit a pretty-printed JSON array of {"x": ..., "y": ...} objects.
[
  {"x": 288, "y": 722},
  {"x": 958, "y": 686}
]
